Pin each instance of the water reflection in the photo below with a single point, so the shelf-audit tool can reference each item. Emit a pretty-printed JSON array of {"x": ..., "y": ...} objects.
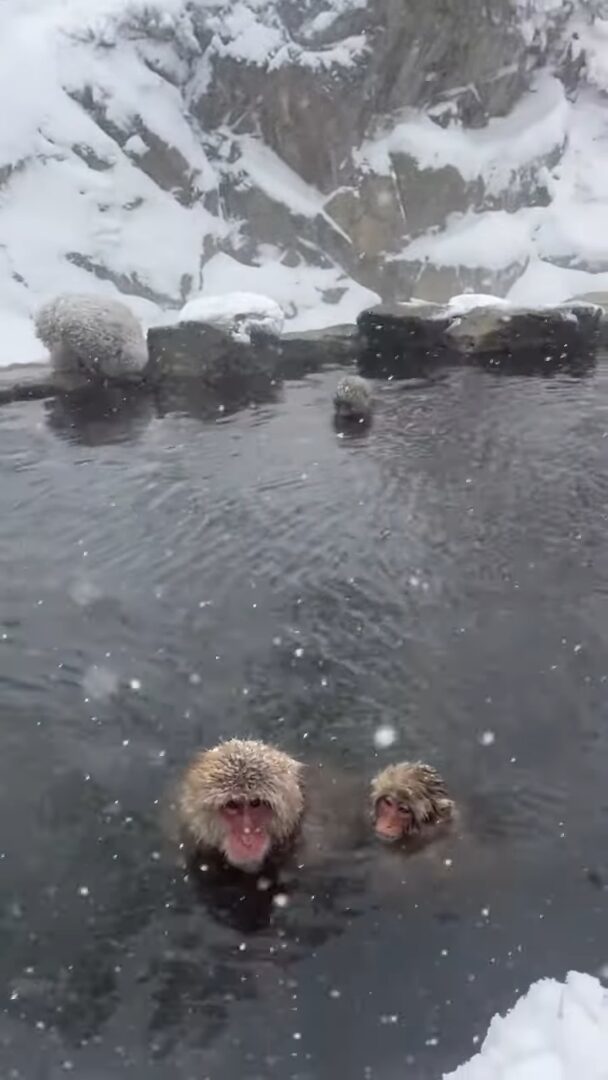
[
  {"x": 446, "y": 575},
  {"x": 100, "y": 416}
]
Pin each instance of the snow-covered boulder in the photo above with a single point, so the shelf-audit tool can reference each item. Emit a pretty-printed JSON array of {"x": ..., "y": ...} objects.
[
  {"x": 557, "y": 1031},
  {"x": 92, "y": 338},
  {"x": 242, "y": 315}
]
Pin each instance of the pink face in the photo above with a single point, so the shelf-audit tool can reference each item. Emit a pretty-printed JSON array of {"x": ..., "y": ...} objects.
[
  {"x": 247, "y": 838},
  {"x": 393, "y": 819}
]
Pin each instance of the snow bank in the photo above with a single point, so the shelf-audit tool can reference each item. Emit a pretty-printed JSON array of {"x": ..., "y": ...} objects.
[
  {"x": 557, "y": 1031},
  {"x": 238, "y": 313},
  {"x": 465, "y": 302},
  {"x": 301, "y": 291},
  {"x": 552, "y": 244},
  {"x": 535, "y": 127}
]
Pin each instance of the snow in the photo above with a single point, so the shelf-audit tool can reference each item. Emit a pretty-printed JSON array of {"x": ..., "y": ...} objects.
[
  {"x": 384, "y": 736},
  {"x": 238, "y": 313},
  {"x": 465, "y": 302},
  {"x": 535, "y": 127},
  {"x": 557, "y": 1031},
  {"x": 79, "y": 212},
  {"x": 297, "y": 289}
]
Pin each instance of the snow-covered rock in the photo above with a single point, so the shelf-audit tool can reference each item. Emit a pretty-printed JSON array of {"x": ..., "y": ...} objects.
[
  {"x": 163, "y": 148},
  {"x": 239, "y": 314},
  {"x": 557, "y": 1031}
]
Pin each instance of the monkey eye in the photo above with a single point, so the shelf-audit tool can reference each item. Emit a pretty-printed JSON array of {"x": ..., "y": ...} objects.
[
  {"x": 403, "y": 808},
  {"x": 232, "y": 806},
  {"x": 254, "y": 803},
  {"x": 386, "y": 800}
]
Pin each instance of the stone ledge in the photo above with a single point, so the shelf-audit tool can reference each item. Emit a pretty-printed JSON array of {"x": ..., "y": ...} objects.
[{"x": 405, "y": 340}]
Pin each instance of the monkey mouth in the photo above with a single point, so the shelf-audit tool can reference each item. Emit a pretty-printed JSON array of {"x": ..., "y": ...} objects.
[{"x": 246, "y": 853}]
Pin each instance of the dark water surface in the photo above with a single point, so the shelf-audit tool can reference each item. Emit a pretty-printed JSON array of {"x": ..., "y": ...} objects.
[{"x": 166, "y": 580}]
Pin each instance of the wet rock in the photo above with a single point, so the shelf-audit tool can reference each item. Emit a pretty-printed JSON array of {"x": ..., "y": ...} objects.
[
  {"x": 26, "y": 382},
  {"x": 402, "y": 340},
  {"x": 554, "y": 336},
  {"x": 601, "y": 299},
  {"x": 309, "y": 350},
  {"x": 410, "y": 339},
  {"x": 195, "y": 350}
]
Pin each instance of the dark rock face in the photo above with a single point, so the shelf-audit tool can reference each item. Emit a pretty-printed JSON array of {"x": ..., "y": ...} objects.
[
  {"x": 22, "y": 382},
  {"x": 309, "y": 350},
  {"x": 194, "y": 350},
  {"x": 402, "y": 340},
  {"x": 410, "y": 340},
  {"x": 552, "y": 336}
]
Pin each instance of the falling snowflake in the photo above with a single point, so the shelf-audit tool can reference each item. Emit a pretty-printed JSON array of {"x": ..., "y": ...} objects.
[
  {"x": 384, "y": 736},
  {"x": 100, "y": 682}
]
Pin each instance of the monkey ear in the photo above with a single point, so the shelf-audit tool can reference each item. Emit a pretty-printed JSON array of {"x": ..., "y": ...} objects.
[{"x": 445, "y": 808}]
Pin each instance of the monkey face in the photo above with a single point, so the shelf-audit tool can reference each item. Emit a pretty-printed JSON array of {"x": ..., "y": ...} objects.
[
  {"x": 247, "y": 838},
  {"x": 393, "y": 819}
]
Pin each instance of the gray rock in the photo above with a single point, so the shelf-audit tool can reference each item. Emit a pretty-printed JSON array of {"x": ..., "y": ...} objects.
[
  {"x": 557, "y": 336},
  {"x": 195, "y": 350},
  {"x": 23, "y": 382},
  {"x": 601, "y": 299},
  {"x": 301, "y": 353},
  {"x": 371, "y": 214},
  {"x": 404, "y": 340},
  {"x": 410, "y": 340}
]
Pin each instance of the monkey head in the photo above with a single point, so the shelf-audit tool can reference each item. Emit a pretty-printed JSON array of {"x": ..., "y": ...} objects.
[
  {"x": 243, "y": 799},
  {"x": 407, "y": 800}
]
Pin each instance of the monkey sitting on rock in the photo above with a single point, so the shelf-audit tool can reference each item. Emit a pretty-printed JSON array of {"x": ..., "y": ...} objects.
[
  {"x": 92, "y": 338},
  {"x": 410, "y": 805},
  {"x": 353, "y": 400}
]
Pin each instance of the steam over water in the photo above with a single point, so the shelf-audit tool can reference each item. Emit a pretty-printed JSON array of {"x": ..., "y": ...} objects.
[{"x": 168, "y": 580}]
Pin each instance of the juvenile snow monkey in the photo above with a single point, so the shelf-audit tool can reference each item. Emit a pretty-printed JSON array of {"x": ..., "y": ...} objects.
[
  {"x": 410, "y": 804},
  {"x": 353, "y": 400},
  {"x": 92, "y": 337}
]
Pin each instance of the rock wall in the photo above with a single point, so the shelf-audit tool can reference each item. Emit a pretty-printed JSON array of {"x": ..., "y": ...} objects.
[{"x": 318, "y": 133}]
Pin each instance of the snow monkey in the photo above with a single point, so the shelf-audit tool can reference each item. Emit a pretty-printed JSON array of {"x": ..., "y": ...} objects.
[
  {"x": 92, "y": 337},
  {"x": 242, "y": 801},
  {"x": 410, "y": 803},
  {"x": 353, "y": 400}
]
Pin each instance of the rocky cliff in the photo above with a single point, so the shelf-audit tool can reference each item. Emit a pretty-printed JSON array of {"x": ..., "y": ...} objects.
[{"x": 318, "y": 150}]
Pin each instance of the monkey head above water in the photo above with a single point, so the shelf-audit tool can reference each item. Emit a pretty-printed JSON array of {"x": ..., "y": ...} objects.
[
  {"x": 410, "y": 803},
  {"x": 353, "y": 399},
  {"x": 242, "y": 800}
]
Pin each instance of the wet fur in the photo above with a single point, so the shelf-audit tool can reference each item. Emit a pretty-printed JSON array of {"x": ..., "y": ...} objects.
[
  {"x": 239, "y": 769},
  {"x": 92, "y": 336},
  {"x": 423, "y": 790},
  {"x": 353, "y": 399}
]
